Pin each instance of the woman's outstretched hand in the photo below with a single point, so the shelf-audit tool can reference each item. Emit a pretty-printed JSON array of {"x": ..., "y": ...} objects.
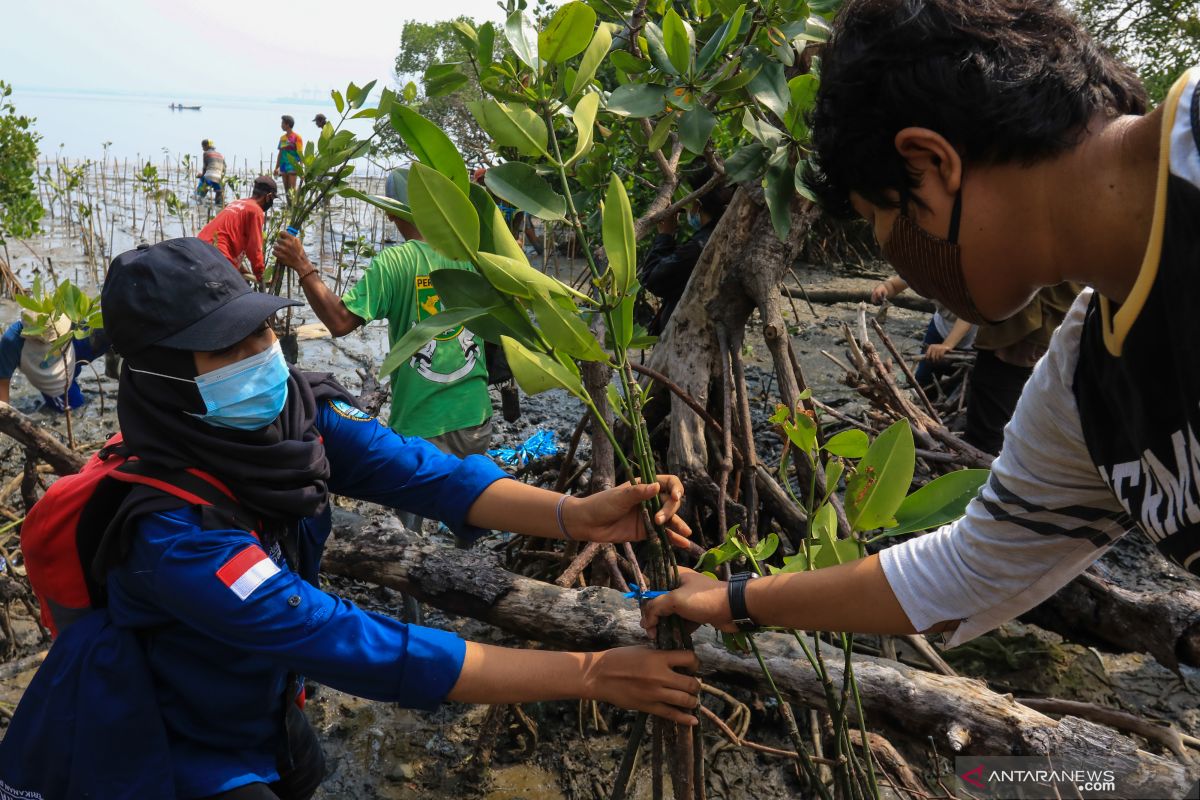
[{"x": 615, "y": 515}]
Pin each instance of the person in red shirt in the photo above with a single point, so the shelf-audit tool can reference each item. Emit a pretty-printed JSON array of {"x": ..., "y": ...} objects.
[{"x": 238, "y": 229}]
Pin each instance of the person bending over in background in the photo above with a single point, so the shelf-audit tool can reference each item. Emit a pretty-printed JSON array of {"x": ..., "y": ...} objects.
[
  {"x": 47, "y": 367},
  {"x": 238, "y": 230},
  {"x": 212, "y": 172}
]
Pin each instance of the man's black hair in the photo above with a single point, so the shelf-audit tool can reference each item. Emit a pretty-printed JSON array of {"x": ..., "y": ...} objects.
[
  {"x": 288, "y": 120},
  {"x": 1004, "y": 81}
]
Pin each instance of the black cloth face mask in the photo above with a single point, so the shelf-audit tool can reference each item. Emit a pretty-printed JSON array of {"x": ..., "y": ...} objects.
[{"x": 930, "y": 265}]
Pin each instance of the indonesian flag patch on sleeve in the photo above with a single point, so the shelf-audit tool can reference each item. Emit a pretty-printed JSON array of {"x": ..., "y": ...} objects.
[{"x": 246, "y": 571}]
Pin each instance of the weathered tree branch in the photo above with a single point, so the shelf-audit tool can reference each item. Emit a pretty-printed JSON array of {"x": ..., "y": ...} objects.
[{"x": 39, "y": 441}]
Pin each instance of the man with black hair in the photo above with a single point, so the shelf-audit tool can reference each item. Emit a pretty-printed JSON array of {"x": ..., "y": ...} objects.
[
  {"x": 666, "y": 268},
  {"x": 319, "y": 120},
  {"x": 291, "y": 147},
  {"x": 238, "y": 230},
  {"x": 996, "y": 149}
]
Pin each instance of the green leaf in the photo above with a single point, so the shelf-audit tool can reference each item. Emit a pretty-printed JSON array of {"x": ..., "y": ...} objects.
[
  {"x": 720, "y": 39},
  {"x": 746, "y": 163},
  {"x": 30, "y": 302},
  {"x": 679, "y": 41},
  {"x": 637, "y": 100},
  {"x": 824, "y": 525},
  {"x": 512, "y": 126},
  {"x": 803, "y": 91},
  {"x": 519, "y": 184},
  {"x": 695, "y": 127},
  {"x": 519, "y": 31},
  {"x": 584, "y": 118},
  {"x": 338, "y": 101},
  {"x": 794, "y": 563},
  {"x": 938, "y": 502},
  {"x": 766, "y": 548},
  {"x": 627, "y": 62},
  {"x": 466, "y": 33},
  {"x": 833, "y": 474},
  {"x": 766, "y": 133},
  {"x": 441, "y": 85},
  {"x": 622, "y": 317},
  {"x": 778, "y": 184},
  {"x": 386, "y": 204},
  {"x": 418, "y": 335},
  {"x": 848, "y": 444},
  {"x": 597, "y": 49},
  {"x": 430, "y": 145},
  {"x": 565, "y": 330},
  {"x": 877, "y": 488},
  {"x": 516, "y": 277},
  {"x": 769, "y": 86},
  {"x": 360, "y": 96},
  {"x": 735, "y": 81},
  {"x": 842, "y": 551},
  {"x": 567, "y": 34},
  {"x": 801, "y": 186},
  {"x": 537, "y": 372},
  {"x": 487, "y": 43},
  {"x": 657, "y": 49},
  {"x": 442, "y": 212},
  {"x": 462, "y": 288},
  {"x": 494, "y": 234},
  {"x": 660, "y": 133},
  {"x": 619, "y": 242},
  {"x": 802, "y": 432}
]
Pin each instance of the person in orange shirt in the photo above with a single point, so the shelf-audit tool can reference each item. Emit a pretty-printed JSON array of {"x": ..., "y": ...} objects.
[{"x": 238, "y": 229}]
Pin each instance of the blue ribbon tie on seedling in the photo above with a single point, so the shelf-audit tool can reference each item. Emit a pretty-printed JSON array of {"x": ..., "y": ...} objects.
[
  {"x": 293, "y": 231},
  {"x": 537, "y": 446},
  {"x": 640, "y": 596}
]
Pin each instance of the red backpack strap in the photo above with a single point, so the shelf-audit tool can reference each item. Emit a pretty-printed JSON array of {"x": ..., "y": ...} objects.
[{"x": 193, "y": 486}]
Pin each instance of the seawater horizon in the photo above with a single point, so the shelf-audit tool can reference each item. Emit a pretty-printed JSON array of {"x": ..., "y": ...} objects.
[{"x": 75, "y": 124}]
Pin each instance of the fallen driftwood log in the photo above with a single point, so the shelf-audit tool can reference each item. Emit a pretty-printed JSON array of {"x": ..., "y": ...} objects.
[
  {"x": 960, "y": 714},
  {"x": 829, "y": 296},
  {"x": 38, "y": 441}
]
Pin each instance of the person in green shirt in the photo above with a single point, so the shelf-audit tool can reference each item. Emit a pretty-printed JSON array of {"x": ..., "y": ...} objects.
[{"x": 441, "y": 394}]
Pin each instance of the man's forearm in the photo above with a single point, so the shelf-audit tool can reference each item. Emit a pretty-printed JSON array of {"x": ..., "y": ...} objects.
[
  {"x": 850, "y": 597},
  {"x": 520, "y": 508},
  {"x": 328, "y": 307}
]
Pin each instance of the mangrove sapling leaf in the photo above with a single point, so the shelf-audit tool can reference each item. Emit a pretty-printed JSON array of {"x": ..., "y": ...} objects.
[
  {"x": 801, "y": 183},
  {"x": 420, "y": 334},
  {"x": 843, "y": 551},
  {"x": 877, "y": 488},
  {"x": 523, "y": 38},
  {"x": 585, "y": 121},
  {"x": 430, "y": 145},
  {"x": 802, "y": 432},
  {"x": 938, "y": 502},
  {"x": 622, "y": 317},
  {"x": 734, "y": 82},
  {"x": 538, "y": 372},
  {"x": 514, "y": 125},
  {"x": 567, "y": 34},
  {"x": 833, "y": 474},
  {"x": 444, "y": 215},
  {"x": 627, "y": 62},
  {"x": 515, "y": 277},
  {"x": 616, "y": 403},
  {"x": 519, "y": 184},
  {"x": 679, "y": 41},
  {"x": 695, "y": 128},
  {"x": 720, "y": 40},
  {"x": 487, "y": 43},
  {"x": 803, "y": 92},
  {"x": 597, "y": 49},
  {"x": 746, "y": 162},
  {"x": 494, "y": 233},
  {"x": 658, "y": 137},
  {"x": 620, "y": 243},
  {"x": 766, "y": 548},
  {"x": 656, "y": 47},
  {"x": 565, "y": 330},
  {"x": 386, "y": 204},
  {"x": 848, "y": 444},
  {"x": 465, "y": 33},
  {"x": 778, "y": 187},
  {"x": 767, "y": 134},
  {"x": 769, "y": 87},
  {"x": 636, "y": 100},
  {"x": 460, "y": 288},
  {"x": 339, "y": 102}
]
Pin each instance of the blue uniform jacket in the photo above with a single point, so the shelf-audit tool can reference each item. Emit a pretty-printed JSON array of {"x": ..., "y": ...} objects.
[{"x": 223, "y": 623}]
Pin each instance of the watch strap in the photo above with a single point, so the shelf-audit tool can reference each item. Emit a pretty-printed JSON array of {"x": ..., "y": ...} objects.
[{"x": 737, "y": 601}]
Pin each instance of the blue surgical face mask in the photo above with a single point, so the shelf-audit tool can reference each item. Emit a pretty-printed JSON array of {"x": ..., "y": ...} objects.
[
  {"x": 694, "y": 220},
  {"x": 246, "y": 395}
]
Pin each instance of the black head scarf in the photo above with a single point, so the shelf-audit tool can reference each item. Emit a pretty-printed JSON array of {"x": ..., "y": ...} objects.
[{"x": 278, "y": 472}]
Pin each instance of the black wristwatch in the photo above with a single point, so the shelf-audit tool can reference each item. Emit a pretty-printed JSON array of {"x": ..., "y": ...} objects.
[{"x": 737, "y": 601}]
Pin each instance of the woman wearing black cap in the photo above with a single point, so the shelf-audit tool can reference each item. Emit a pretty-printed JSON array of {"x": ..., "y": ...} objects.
[{"x": 226, "y": 617}]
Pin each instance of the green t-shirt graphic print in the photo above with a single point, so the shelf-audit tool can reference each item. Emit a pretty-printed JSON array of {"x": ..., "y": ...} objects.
[{"x": 444, "y": 386}]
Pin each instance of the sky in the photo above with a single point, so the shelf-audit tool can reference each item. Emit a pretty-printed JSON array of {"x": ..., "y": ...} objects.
[{"x": 190, "y": 48}]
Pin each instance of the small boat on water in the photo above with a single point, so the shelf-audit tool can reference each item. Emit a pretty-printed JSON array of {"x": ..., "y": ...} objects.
[{"x": 181, "y": 107}]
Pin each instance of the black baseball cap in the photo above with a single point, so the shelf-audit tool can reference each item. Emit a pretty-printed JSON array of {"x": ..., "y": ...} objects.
[{"x": 182, "y": 294}]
